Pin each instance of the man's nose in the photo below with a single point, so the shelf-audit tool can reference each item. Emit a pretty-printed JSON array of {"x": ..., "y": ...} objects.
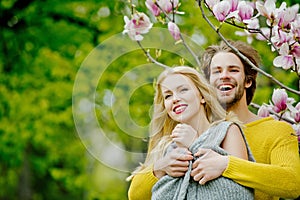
[{"x": 224, "y": 74}]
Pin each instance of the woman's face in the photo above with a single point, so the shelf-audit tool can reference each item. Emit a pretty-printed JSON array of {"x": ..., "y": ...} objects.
[{"x": 181, "y": 98}]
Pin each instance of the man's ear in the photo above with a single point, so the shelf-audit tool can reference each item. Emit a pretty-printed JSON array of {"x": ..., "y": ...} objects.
[{"x": 248, "y": 83}]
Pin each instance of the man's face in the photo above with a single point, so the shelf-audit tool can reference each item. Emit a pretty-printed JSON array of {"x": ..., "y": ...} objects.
[{"x": 228, "y": 77}]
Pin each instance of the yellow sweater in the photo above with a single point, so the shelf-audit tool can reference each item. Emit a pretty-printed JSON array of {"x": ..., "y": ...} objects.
[{"x": 276, "y": 172}]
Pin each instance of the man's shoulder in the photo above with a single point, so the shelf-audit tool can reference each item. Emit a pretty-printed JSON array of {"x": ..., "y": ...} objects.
[{"x": 270, "y": 124}]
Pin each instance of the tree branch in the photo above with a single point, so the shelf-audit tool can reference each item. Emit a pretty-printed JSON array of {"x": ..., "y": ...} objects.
[{"x": 151, "y": 58}]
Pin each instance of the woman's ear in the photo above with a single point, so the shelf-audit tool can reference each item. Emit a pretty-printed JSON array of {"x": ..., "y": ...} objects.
[{"x": 202, "y": 101}]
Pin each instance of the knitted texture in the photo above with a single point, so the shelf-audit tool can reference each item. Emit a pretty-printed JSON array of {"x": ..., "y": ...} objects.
[{"x": 170, "y": 188}]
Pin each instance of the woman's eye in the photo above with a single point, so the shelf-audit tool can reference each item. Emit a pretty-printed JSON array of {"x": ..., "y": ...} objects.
[
  {"x": 184, "y": 89},
  {"x": 167, "y": 96}
]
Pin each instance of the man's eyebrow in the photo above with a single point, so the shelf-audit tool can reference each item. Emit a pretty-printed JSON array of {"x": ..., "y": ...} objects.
[{"x": 234, "y": 66}]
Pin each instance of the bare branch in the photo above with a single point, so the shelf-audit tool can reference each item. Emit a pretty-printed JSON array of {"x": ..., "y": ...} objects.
[{"x": 151, "y": 58}]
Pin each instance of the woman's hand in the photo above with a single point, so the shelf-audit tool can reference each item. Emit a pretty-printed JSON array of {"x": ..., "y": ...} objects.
[
  {"x": 175, "y": 163},
  {"x": 184, "y": 135}
]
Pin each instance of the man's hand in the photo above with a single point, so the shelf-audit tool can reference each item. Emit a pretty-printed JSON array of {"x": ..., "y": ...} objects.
[
  {"x": 208, "y": 166},
  {"x": 184, "y": 135},
  {"x": 175, "y": 163}
]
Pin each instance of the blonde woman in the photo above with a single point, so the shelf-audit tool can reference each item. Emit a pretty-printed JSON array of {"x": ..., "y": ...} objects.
[{"x": 187, "y": 115}]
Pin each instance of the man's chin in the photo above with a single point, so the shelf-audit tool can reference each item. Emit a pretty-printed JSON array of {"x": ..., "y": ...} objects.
[{"x": 226, "y": 104}]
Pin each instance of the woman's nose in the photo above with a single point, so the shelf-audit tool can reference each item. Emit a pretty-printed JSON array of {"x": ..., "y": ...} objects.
[{"x": 176, "y": 98}]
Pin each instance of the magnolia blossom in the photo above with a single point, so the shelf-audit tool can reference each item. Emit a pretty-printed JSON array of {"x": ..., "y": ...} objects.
[
  {"x": 245, "y": 10},
  {"x": 296, "y": 113},
  {"x": 295, "y": 50},
  {"x": 269, "y": 10},
  {"x": 211, "y": 3},
  {"x": 234, "y": 5},
  {"x": 280, "y": 37},
  {"x": 167, "y": 5},
  {"x": 153, "y": 7},
  {"x": 263, "y": 111},
  {"x": 284, "y": 60},
  {"x": 279, "y": 99},
  {"x": 139, "y": 24},
  {"x": 287, "y": 16},
  {"x": 295, "y": 26},
  {"x": 296, "y": 128},
  {"x": 174, "y": 30},
  {"x": 221, "y": 10}
]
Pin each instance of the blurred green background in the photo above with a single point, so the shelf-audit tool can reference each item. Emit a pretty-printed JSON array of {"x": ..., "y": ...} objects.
[{"x": 43, "y": 45}]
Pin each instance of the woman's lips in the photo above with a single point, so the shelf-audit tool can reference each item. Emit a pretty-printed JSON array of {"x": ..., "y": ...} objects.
[{"x": 179, "y": 108}]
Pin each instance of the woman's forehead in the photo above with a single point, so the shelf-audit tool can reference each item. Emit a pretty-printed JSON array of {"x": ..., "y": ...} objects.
[{"x": 174, "y": 81}]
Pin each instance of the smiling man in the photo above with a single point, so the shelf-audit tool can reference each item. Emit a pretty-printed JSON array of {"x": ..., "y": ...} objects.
[{"x": 276, "y": 172}]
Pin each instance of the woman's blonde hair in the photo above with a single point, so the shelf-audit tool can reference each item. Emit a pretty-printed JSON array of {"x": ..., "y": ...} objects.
[{"x": 162, "y": 125}]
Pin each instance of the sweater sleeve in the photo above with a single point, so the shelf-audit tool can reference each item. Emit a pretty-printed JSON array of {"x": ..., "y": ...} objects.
[
  {"x": 141, "y": 186},
  {"x": 280, "y": 178}
]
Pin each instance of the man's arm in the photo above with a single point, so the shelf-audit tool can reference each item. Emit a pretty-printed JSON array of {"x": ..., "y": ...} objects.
[
  {"x": 141, "y": 186},
  {"x": 280, "y": 178}
]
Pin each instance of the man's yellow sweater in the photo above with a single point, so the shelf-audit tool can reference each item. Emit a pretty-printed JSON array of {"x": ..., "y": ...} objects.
[{"x": 276, "y": 172}]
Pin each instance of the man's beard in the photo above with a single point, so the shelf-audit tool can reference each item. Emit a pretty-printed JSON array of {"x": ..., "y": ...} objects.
[{"x": 230, "y": 103}]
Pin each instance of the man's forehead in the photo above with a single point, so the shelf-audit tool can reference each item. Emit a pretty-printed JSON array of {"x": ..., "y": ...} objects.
[{"x": 225, "y": 58}]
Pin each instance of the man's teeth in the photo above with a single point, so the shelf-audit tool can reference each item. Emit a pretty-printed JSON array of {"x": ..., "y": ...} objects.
[{"x": 225, "y": 87}]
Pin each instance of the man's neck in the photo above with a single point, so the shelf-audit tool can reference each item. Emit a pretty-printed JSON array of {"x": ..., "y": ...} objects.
[{"x": 243, "y": 113}]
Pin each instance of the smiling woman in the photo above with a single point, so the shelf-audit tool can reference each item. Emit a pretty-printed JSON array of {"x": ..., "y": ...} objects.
[{"x": 187, "y": 116}]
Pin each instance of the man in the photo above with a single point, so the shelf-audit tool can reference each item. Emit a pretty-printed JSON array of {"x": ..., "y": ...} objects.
[{"x": 276, "y": 172}]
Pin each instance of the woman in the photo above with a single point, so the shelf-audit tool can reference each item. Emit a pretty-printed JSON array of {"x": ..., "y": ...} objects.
[{"x": 187, "y": 116}]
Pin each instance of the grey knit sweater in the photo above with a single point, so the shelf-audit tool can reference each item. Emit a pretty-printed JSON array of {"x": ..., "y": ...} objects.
[{"x": 170, "y": 188}]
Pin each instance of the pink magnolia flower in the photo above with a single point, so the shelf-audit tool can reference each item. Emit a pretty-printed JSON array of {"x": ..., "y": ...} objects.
[
  {"x": 234, "y": 5},
  {"x": 174, "y": 30},
  {"x": 167, "y": 5},
  {"x": 284, "y": 60},
  {"x": 269, "y": 10},
  {"x": 279, "y": 99},
  {"x": 221, "y": 10},
  {"x": 295, "y": 26},
  {"x": 263, "y": 111},
  {"x": 211, "y": 3},
  {"x": 280, "y": 37},
  {"x": 287, "y": 16},
  {"x": 153, "y": 7},
  {"x": 139, "y": 24},
  {"x": 296, "y": 114},
  {"x": 296, "y": 128},
  {"x": 295, "y": 50},
  {"x": 245, "y": 10}
]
